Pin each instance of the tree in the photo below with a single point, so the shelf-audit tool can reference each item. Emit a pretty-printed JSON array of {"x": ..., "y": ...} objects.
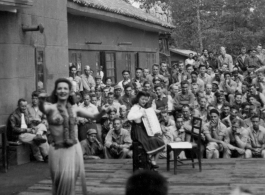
[{"x": 214, "y": 23}]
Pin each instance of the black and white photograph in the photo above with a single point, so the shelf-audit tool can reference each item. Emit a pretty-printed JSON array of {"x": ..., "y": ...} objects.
[{"x": 132, "y": 97}]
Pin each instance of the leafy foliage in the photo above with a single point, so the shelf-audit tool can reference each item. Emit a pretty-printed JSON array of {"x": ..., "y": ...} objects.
[{"x": 230, "y": 23}]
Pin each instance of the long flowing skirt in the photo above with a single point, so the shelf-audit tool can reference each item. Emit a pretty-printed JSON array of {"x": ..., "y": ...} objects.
[
  {"x": 151, "y": 145},
  {"x": 66, "y": 164}
]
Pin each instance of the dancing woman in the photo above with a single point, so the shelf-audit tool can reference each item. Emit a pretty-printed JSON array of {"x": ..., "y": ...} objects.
[
  {"x": 152, "y": 145},
  {"x": 65, "y": 154}
]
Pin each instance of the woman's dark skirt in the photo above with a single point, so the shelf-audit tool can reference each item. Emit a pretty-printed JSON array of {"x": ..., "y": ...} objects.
[{"x": 152, "y": 145}]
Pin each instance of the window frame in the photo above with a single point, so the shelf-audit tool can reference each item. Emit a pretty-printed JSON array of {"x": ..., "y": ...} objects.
[{"x": 39, "y": 50}]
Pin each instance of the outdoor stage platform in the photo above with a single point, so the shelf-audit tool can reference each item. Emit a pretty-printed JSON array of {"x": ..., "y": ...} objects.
[{"x": 108, "y": 177}]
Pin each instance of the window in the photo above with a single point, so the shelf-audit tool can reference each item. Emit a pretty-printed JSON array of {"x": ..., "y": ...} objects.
[
  {"x": 110, "y": 66},
  {"x": 150, "y": 59},
  {"x": 128, "y": 61},
  {"x": 40, "y": 69}
]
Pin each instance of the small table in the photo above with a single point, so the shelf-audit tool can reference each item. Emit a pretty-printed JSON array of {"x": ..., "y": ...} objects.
[{"x": 4, "y": 147}]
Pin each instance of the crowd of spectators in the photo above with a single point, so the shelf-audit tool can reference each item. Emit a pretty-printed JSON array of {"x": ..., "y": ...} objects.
[{"x": 227, "y": 94}]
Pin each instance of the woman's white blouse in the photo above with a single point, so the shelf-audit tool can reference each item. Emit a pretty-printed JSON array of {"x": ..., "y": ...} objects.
[{"x": 136, "y": 113}]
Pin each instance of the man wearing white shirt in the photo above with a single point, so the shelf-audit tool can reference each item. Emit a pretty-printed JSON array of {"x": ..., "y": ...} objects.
[
  {"x": 126, "y": 79},
  {"x": 23, "y": 131},
  {"x": 190, "y": 60},
  {"x": 76, "y": 81},
  {"x": 85, "y": 124},
  {"x": 88, "y": 81},
  {"x": 209, "y": 95},
  {"x": 162, "y": 101},
  {"x": 203, "y": 76}
]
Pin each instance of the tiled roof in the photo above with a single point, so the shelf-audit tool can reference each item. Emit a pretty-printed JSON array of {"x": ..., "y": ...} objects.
[
  {"x": 122, "y": 8},
  {"x": 183, "y": 52}
]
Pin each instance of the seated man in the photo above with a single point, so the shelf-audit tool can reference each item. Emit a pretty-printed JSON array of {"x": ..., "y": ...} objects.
[
  {"x": 118, "y": 142},
  {"x": 108, "y": 124},
  {"x": 168, "y": 126},
  {"x": 257, "y": 138},
  {"x": 36, "y": 117},
  {"x": 236, "y": 139},
  {"x": 201, "y": 111},
  {"x": 126, "y": 124},
  {"x": 214, "y": 132},
  {"x": 234, "y": 111},
  {"x": 23, "y": 131},
  {"x": 162, "y": 101},
  {"x": 91, "y": 147},
  {"x": 185, "y": 97}
]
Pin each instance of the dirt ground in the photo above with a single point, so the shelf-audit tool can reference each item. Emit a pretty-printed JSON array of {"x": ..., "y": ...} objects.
[{"x": 19, "y": 178}]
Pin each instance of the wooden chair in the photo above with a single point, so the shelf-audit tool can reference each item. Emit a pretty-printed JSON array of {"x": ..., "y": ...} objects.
[
  {"x": 140, "y": 157},
  {"x": 177, "y": 147},
  {"x": 4, "y": 147}
]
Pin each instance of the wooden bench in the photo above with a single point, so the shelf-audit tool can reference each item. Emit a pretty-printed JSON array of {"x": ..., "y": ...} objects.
[
  {"x": 18, "y": 153},
  {"x": 4, "y": 147}
]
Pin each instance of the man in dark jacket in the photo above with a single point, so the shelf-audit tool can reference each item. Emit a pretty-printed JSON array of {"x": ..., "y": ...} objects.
[{"x": 23, "y": 131}]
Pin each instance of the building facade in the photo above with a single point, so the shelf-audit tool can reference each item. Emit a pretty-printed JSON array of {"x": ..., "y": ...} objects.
[{"x": 107, "y": 33}]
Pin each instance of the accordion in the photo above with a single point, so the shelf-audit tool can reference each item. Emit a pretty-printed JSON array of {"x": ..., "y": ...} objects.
[{"x": 151, "y": 122}]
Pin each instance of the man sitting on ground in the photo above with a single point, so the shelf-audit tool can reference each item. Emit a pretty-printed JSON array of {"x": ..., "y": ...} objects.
[
  {"x": 118, "y": 142},
  {"x": 23, "y": 131},
  {"x": 91, "y": 147},
  {"x": 257, "y": 138},
  {"x": 214, "y": 132}
]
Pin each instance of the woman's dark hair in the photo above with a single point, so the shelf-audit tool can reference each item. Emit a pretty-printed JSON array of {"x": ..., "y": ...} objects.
[
  {"x": 147, "y": 182},
  {"x": 54, "y": 98},
  {"x": 139, "y": 95}
]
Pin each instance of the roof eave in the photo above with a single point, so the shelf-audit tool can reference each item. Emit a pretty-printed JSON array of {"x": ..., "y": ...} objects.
[{"x": 76, "y": 9}]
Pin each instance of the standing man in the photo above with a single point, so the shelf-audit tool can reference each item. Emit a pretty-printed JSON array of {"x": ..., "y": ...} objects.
[
  {"x": 117, "y": 142},
  {"x": 190, "y": 60},
  {"x": 84, "y": 123},
  {"x": 241, "y": 59},
  {"x": 213, "y": 62},
  {"x": 88, "y": 81},
  {"x": 181, "y": 75},
  {"x": 204, "y": 58},
  {"x": 139, "y": 76},
  {"x": 127, "y": 98},
  {"x": 156, "y": 73},
  {"x": 126, "y": 78},
  {"x": 76, "y": 81},
  {"x": 225, "y": 58},
  {"x": 260, "y": 54}
]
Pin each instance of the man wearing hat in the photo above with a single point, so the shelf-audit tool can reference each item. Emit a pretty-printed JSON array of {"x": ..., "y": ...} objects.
[
  {"x": 91, "y": 147},
  {"x": 215, "y": 132},
  {"x": 117, "y": 93},
  {"x": 99, "y": 83},
  {"x": 88, "y": 81},
  {"x": 215, "y": 86}
]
